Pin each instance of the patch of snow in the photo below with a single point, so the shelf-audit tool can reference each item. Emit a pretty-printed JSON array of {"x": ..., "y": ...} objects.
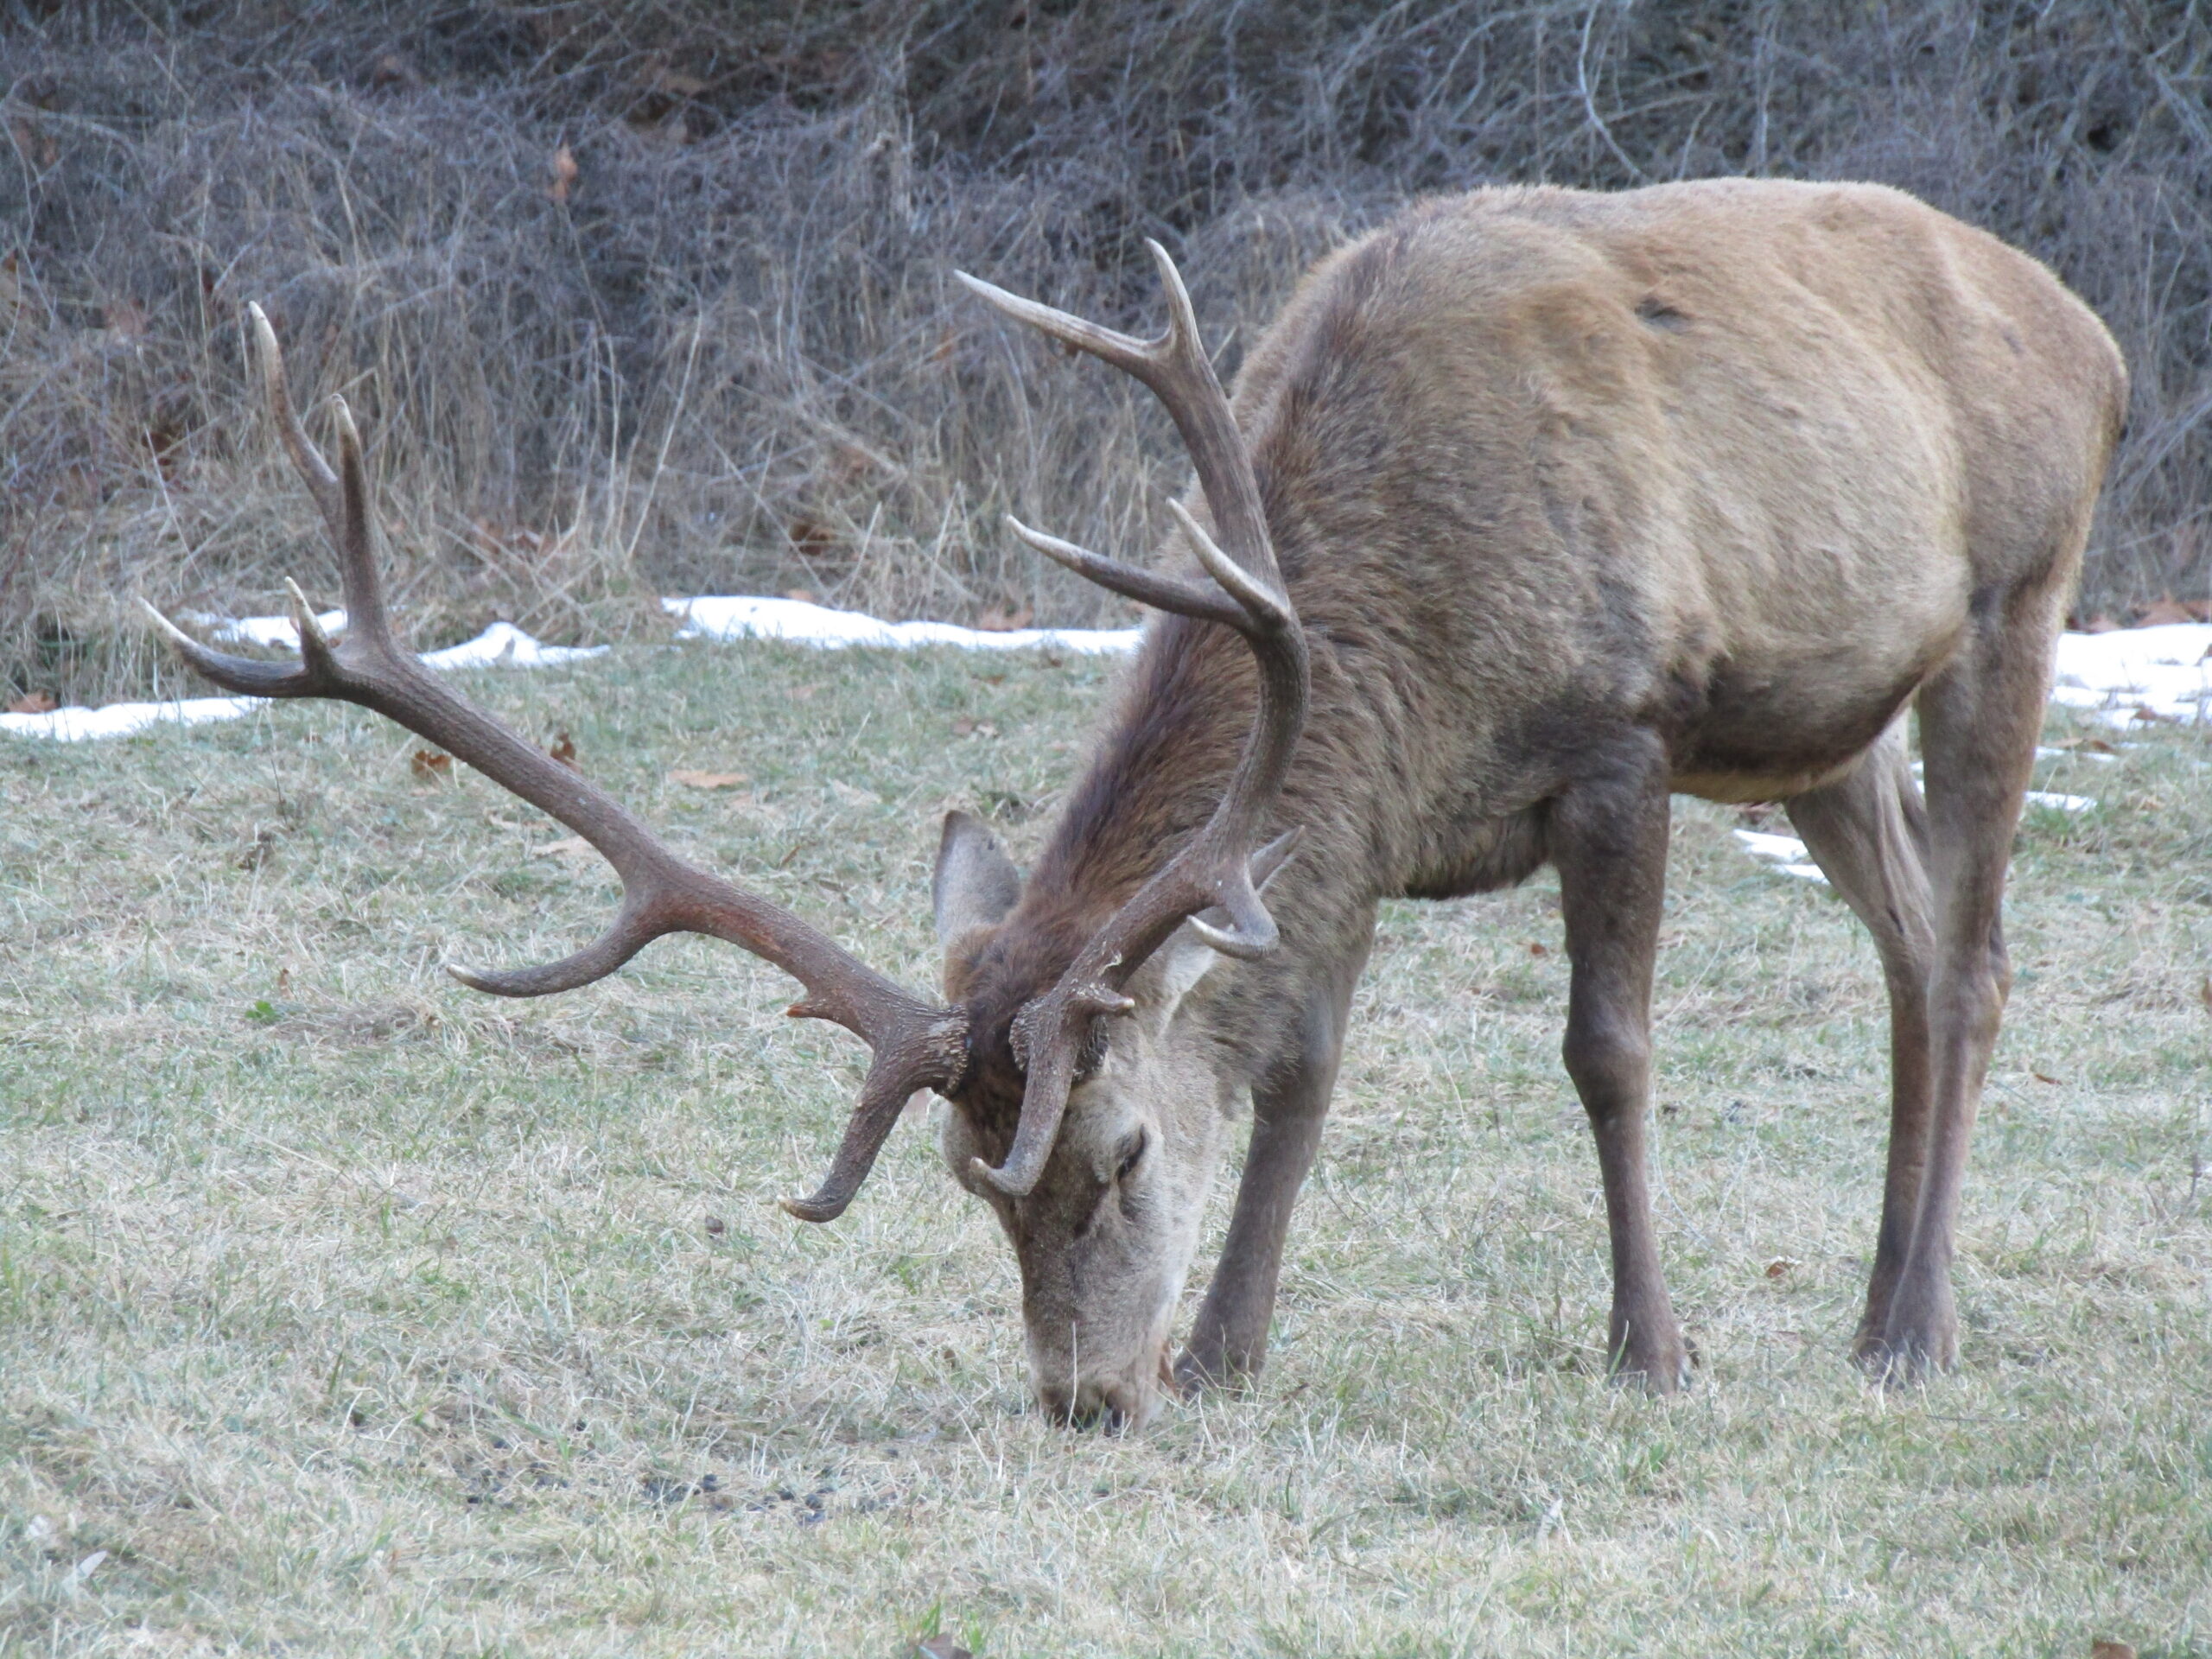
[
  {"x": 1759, "y": 844},
  {"x": 505, "y": 646},
  {"x": 122, "y": 719},
  {"x": 2061, "y": 802},
  {"x": 268, "y": 630},
  {"x": 501, "y": 645},
  {"x": 2166, "y": 669},
  {"x": 800, "y": 623},
  {"x": 1784, "y": 852}
]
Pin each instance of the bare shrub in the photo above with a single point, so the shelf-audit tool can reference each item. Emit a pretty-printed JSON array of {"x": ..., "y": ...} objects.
[{"x": 654, "y": 297}]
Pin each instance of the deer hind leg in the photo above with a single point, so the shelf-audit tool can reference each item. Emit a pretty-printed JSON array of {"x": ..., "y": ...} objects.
[
  {"x": 1978, "y": 721},
  {"x": 1229, "y": 1342},
  {"x": 1869, "y": 834},
  {"x": 1607, "y": 835}
]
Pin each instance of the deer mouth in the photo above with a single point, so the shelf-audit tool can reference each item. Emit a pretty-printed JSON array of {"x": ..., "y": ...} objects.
[{"x": 1120, "y": 1404}]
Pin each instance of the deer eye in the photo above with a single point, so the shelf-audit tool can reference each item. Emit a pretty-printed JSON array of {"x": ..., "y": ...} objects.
[{"x": 1132, "y": 1150}]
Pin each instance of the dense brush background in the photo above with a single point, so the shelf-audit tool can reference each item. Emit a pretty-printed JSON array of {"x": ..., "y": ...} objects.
[{"x": 657, "y": 297}]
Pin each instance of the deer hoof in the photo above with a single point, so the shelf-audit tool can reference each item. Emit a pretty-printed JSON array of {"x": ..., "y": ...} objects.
[
  {"x": 1919, "y": 1339},
  {"x": 1657, "y": 1367}
]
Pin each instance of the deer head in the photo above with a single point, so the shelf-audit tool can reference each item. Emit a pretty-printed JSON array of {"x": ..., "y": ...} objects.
[
  {"x": 1105, "y": 1231},
  {"x": 1112, "y": 1101}
]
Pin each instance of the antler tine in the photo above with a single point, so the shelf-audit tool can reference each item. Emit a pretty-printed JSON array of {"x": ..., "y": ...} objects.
[
  {"x": 1218, "y": 868},
  {"x": 1131, "y": 581},
  {"x": 917, "y": 1045},
  {"x": 1125, "y": 351},
  {"x": 342, "y": 496},
  {"x": 321, "y": 482}
]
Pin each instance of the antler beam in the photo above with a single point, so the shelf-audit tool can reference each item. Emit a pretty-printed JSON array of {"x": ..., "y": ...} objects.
[
  {"x": 917, "y": 1045},
  {"x": 1218, "y": 868}
]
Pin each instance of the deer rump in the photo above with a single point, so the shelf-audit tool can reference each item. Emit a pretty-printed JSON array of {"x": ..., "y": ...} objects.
[{"x": 1532, "y": 507}]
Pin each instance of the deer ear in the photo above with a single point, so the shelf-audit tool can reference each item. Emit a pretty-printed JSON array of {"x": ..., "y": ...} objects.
[{"x": 975, "y": 882}]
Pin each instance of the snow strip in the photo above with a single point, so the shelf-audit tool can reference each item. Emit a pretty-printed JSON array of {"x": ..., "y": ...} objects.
[
  {"x": 2123, "y": 678},
  {"x": 501, "y": 645},
  {"x": 800, "y": 623}
]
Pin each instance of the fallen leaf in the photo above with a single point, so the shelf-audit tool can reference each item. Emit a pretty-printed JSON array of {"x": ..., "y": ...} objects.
[
  {"x": 257, "y": 851},
  {"x": 943, "y": 1647},
  {"x": 809, "y": 539},
  {"x": 800, "y": 595},
  {"x": 35, "y": 141},
  {"x": 716, "y": 1225},
  {"x": 2144, "y": 711},
  {"x": 563, "y": 749},
  {"x": 564, "y": 173},
  {"x": 33, "y": 702},
  {"x": 2164, "y": 611},
  {"x": 707, "y": 779},
  {"x": 1536, "y": 950},
  {"x": 570, "y": 847},
  {"x": 429, "y": 763},
  {"x": 2102, "y": 1648},
  {"x": 1781, "y": 1265},
  {"x": 2044, "y": 1077},
  {"x": 999, "y": 620}
]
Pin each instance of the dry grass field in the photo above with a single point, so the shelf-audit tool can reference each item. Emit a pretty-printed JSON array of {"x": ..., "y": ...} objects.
[{"x": 343, "y": 1311}]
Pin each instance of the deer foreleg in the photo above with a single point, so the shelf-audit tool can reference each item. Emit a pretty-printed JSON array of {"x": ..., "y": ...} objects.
[
  {"x": 1228, "y": 1343},
  {"x": 1607, "y": 835}
]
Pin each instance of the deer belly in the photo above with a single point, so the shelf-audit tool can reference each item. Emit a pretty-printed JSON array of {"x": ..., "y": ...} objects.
[{"x": 1765, "y": 740}]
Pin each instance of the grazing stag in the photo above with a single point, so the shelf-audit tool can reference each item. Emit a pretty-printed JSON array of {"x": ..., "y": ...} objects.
[{"x": 1534, "y": 507}]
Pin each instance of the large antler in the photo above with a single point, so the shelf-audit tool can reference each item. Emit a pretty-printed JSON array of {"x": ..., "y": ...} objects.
[
  {"x": 1219, "y": 867},
  {"x": 917, "y": 1045}
]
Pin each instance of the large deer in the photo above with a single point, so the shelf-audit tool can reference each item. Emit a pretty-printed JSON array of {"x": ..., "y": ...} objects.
[{"x": 1534, "y": 507}]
